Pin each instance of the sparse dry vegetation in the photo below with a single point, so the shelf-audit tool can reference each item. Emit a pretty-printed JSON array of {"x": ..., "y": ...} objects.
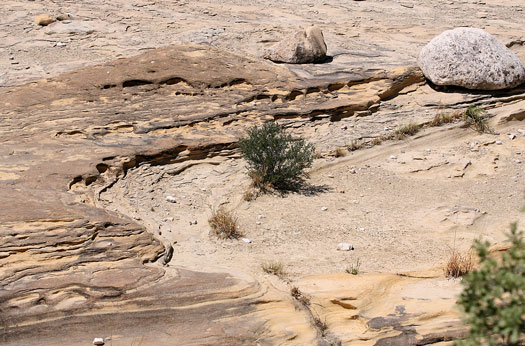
[
  {"x": 476, "y": 118},
  {"x": 355, "y": 145},
  {"x": 224, "y": 224},
  {"x": 299, "y": 296},
  {"x": 354, "y": 268},
  {"x": 446, "y": 118},
  {"x": 458, "y": 264},
  {"x": 409, "y": 129},
  {"x": 273, "y": 267},
  {"x": 340, "y": 152},
  {"x": 320, "y": 325}
]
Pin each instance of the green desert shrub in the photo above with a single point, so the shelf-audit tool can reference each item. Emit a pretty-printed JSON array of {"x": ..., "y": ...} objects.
[
  {"x": 275, "y": 159},
  {"x": 493, "y": 299}
]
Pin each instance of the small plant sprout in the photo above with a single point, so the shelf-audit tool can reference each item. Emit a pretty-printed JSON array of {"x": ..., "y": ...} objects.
[{"x": 354, "y": 268}]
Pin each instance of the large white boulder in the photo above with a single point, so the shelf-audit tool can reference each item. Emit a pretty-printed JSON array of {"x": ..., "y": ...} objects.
[{"x": 470, "y": 58}]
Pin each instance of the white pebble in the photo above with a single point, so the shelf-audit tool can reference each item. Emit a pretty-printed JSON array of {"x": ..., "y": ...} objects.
[
  {"x": 171, "y": 199},
  {"x": 246, "y": 240},
  {"x": 344, "y": 247},
  {"x": 324, "y": 208},
  {"x": 499, "y": 142},
  {"x": 98, "y": 341},
  {"x": 261, "y": 216}
]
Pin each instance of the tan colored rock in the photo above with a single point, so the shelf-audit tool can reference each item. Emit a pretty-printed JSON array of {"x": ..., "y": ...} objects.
[
  {"x": 306, "y": 46},
  {"x": 44, "y": 19}
]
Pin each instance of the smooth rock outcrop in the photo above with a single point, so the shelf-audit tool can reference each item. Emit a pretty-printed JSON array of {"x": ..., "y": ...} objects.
[
  {"x": 306, "y": 46},
  {"x": 470, "y": 58}
]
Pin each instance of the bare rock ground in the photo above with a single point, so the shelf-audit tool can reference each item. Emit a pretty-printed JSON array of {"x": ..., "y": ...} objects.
[{"x": 90, "y": 155}]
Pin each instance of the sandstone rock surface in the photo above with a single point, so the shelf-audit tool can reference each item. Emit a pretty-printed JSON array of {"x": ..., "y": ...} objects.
[
  {"x": 306, "y": 46},
  {"x": 44, "y": 19},
  {"x": 470, "y": 58}
]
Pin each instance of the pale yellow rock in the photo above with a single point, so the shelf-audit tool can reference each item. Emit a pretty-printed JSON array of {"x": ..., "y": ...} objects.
[{"x": 44, "y": 19}]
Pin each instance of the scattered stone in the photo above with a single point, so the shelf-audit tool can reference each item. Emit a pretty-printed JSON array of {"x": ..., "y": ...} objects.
[
  {"x": 171, "y": 199},
  {"x": 246, "y": 240},
  {"x": 344, "y": 247},
  {"x": 518, "y": 161},
  {"x": 499, "y": 142},
  {"x": 194, "y": 222},
  {"x": 512, "y": 136},
  {"x": 63, "y": 17},
  {"x": 258, "y": 222},
  {"x": 324, "y": 208},
  {"x": 44, "y": 20},
  {"x": 470, "y": 58},
  {"x": 98, "y": 341},
  {"x": 393, "y": 157},
  {"x": 306, "y": 46},
  {"x": 261, "y": 216}
]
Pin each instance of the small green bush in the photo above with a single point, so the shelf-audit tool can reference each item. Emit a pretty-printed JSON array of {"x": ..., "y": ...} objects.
[
  {"x": 276, "y": 159},
  {"x": 493, "y": 299}
]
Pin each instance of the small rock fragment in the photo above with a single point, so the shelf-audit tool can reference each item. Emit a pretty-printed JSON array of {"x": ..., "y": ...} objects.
[
  {"x": 261, "y": 216},
  {"x": 246, "y": 240},
  {"x": 324, "y": 208},
  {"x": 344, "y": 247},
  {"x": 98, "y": 341},
  {"x": 499, "y": 142},
  {"x": 44, "y": 20},
  {"x": 171, "y": 199},
  {"x": 512, "y": 136}
]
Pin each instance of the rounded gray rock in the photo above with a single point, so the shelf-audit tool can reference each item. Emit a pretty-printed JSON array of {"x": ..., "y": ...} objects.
[{"x": 470, "y": 58}]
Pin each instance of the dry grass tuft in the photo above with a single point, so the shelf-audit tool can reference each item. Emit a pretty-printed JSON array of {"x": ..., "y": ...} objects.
[
  {"x": 446, "y": 118},
  {"x": 476, "y": 118},
  {"x": 354, "y": 269},
  {"x": 355, "y": 145},
  {"x": 340, "y": 152},
  {"x": 224, "y": 224},
  {"x": 458, "y": 264},
  {"x": 273, "y": 267},
  {"x": 407, "y": 130}
]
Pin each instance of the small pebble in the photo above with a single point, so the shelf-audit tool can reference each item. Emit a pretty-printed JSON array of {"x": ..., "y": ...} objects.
[
  {"x": 246, "y": 240},
  {"x": 512, "y": 136},
  {"x": 393, "y": 157},
  {"x": 171, "y": 199},
  {"x": 261, "y": 216},
  {"x": 258, "y": 222},
  {"x": 499, "y": 142},
  {"x": 344, "y": 247},
  {"x": 324, "y": 208},
  {"x": 98, "y": 341}
]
